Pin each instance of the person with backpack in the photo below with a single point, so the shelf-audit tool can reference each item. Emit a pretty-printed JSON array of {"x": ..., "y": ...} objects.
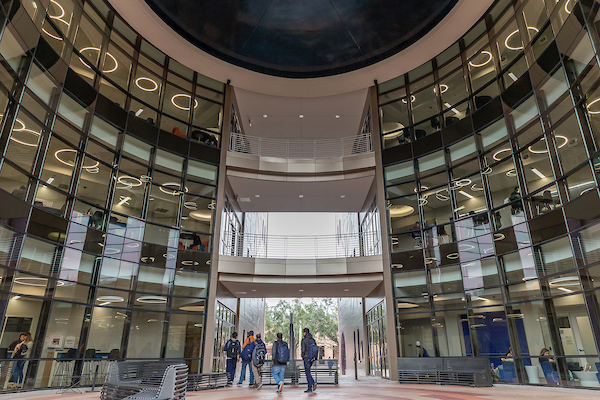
[
  {"x": 259, "y": 355},
  {"x": 232, "y": 351},
  {"x": 246, "y": 356},
  {"x": 281, "y": 356},
  {"x": 310, "y": 352}
]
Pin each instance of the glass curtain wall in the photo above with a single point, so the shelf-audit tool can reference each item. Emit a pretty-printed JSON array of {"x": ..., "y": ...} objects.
[
  {"x": 108, "y": 180},
  {"x": 378, "y": 353},
  {"x": 491, "y": 172}
]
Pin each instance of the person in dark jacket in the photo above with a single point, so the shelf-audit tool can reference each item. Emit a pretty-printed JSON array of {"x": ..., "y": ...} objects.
[
  {"x": 246, "y": 363},
  {"x": 307, "y": 341},
  {"x": 255, "y": 368},
  {"x": 278, "y": 368},
  {"x": 232, "y": 351}
]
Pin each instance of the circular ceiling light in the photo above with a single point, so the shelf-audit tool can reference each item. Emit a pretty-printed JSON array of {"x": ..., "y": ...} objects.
[
  {"x": 412, "y": 99},
  {"x": 499, "y": 236},
  {"x": 443, "y": 88},
  {"x": 71, "y": 164},
  {"x": 565, "y": 281},
  {"x": 187, "y": 96},
  {"x": 511, "y": 173},
  {"x": 152, "y": 299},
  {"x": 472, "y": 64},
  {"x": 24, "y": 143},
  {"x": 265, "y": 115},
  {"x": 461, "y": 183},
  {"x": 62, "y": 10},
  {"x": 193, "y": 308},
  {"x": 591, "y": 104},
  {"x": 397, "y": 211},
  {"x": 476, "y": 189},
  {"x": 33, "y": 281},
  {"x": 441, "y": 196},
  {"x": 301, "y": 116},
  {"x": 190, "y": 205},
  {"x": 566, "y": 6},
  {"x": 532, "y": 28},
  {"x": 564, "y": 143},
  {"x": 174, "y": 192},
  {"x": 146, "y": 89},
  {"x": 405, "y": 305},
  {"x": 452, "y": 256},
  {"x": 423, "y": 188},
  {"x": 496, "y": 157},
  {"x": 337, "y": 116},
  {"x": 108, "y": 71},
  {"x": 147, "y": 259},
  {"x": 189, "y": 263},
  {"x": 110, "y": 299},
  {"x": 487, "y": 171},
  {"x": 201, "y": 215},
  {"x": 129, "y": 181},
  {"x": 51, "y": 35}
]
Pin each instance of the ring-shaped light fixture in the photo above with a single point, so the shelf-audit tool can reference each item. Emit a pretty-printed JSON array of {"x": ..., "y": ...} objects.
[
  {"x": 592, "y": 103},
  {"x": 189, "y": 263},
  {"x": 511, "y": 173},
  {"x": 423, "y": 201},
  {"x": 452, "y": 256},
  {"x": 482, "y": 64},
  {"x": 564, "y": 138},
  {"x": 147, "y": 259},
  {"x": 461, "y": 183},
  {"x": 110, "y": 299},
  {"x": 16, "y": 120},
  {"x": 190, "y": 205},
  {"x": 186, "y": 96},
  {"x": 443, "y": 88},
  {"x": 476, "y": 189},
  {"x": 111, "y": 251},
  {"x": 565, "y": 281},
  {"x": 488, "y": 250},
  {"x": 567, "y": 7},
  {"x": 23, "y": 142},
  {"x": 495, "y": 156},
  {"x": 152, "y": 299},
  {"x": 34, "y": 281},
  {"x": 440, "y": 196},
  {"x": 144, "y": 79},
  {"x": 175, "y": 192},
  {"x": 62, "y": 10},
  {"x": 169, "y": 256},
  {"x": 423, "y": 188},
  {"x": 487, "y": 171},
  {"x": 466, "y": 247},
  {"x": 135, "y": 182},
  {"x": 98, "y": 50},
  {"x": 499, "y": 236},
  {"x": 53, "y": 36},
  {"x": 412, "y": 99},
  {"x": 533, "y": 28},
  {"x": 57, "y": 152}
]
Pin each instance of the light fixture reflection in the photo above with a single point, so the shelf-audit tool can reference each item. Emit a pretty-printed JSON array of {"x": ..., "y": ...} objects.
[
  {"x": 98, "y": 50},
  {"x": 145, "y": 89},
  {"x": 71, "y": 164},
  {"x": 472, "y": 64},
  {"x": 533, "y": 28},
  {"x": 186, "y": 96},
  {"x": 564, "y": 143}
]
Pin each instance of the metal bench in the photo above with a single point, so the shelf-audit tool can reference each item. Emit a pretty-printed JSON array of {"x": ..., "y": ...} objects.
[
  {"x": 323, "y": 371},
  {"x": 465, "y": 371},
  {"x": 211, "y": 380},
  {"x": 145, "y": 380}
]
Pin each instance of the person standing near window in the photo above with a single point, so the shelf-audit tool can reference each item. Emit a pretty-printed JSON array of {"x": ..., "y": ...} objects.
[{"x": 20, "y": 353}]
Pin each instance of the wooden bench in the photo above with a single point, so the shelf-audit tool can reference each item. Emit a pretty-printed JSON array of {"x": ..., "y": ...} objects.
[{"x": 145, "y": 380}]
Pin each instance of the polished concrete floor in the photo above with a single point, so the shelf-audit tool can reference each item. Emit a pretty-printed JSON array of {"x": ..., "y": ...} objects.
[{"x": 364, "y": 388}]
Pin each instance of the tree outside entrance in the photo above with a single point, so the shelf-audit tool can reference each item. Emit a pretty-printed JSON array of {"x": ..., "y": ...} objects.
[{"x": 319, "y": 315}]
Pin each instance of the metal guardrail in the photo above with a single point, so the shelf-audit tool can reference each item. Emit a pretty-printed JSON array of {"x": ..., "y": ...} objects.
[
  {"x": 307, "y": 149},
  {"x": 301, "y": 247}
]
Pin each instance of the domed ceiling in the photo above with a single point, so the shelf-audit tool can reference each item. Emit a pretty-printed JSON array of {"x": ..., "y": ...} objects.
[{"x": 302, "y": 38}]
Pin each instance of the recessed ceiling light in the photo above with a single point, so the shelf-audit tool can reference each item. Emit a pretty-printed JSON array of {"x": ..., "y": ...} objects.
[
  {"x": 254, "y": 290},
  {"x": 265, "y": 115},
  {"x": 346, "y": 290},
  {"x": 337, "y": 116},
  {"x": 343, "y": 196},
  {"x": 257, "y": 195},
  {"x": 301, "y": 196},
  {"x": 301, "y": 290},
  {"x": 301, "y": 115}
]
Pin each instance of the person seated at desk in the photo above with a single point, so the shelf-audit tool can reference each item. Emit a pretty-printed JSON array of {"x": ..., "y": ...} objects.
[
  {"x": 545, "y": 356},
  {"x": 544, "y": 203}
]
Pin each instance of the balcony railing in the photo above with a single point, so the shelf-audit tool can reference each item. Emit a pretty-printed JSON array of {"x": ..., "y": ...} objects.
[
  {"x": 301, "y": 247},
  {"x": 307, "y": 149}
]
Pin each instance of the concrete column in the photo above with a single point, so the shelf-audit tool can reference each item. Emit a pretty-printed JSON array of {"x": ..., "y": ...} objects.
[
  {"x": 392, "y": 347},
  {"x": 209, "y": 326}
]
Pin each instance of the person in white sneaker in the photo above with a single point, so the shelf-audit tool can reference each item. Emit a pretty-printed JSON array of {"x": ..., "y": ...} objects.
[{"x": 281, "y": 356}]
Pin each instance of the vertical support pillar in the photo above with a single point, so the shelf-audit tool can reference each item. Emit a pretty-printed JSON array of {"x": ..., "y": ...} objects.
[
  {"x": 209, "y": 325},
  {"x": 390, "y": 314}
]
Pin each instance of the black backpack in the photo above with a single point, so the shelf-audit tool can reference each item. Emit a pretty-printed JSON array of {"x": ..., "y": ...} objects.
[{"x": 231, "y": 348}]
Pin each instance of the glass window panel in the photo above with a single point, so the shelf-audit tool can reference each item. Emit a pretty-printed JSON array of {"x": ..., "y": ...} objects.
[
  {"x": 554, "y": 87},
  {"x": 164, "y": 206},
  {"x": 555, "y": 256},
  {"x": 462, "y": 151},
  {"x": 445, "y": 280},
  {"x": 208, "y": 115},
  {"x": 13, "y": 181},
  {"x": 24, "y": 139},
  {"x": 136, "y": 149},
  {"x": 398, "y": 172},
  {"x": 403, "y": 213},
  {"x": 104, "y": 132},
  {"x": 410, "y": 283},
  {"x": 168, "y": 161},
  {"x": 154, "y": 280},
  {"x": 113, "y": 93},
  {"x": 433, "y": 162},
  {"x": 147, "y": 87},
  {"x": 72, "y": 111},
  {"x": 494, "y": 134},
  {"x": 580, "y": 182},
  {"x": 481, "y": 68},
  {"x": 146, "y": 334},
  {"x": 117, "y": 66},
  {"x": 76, "y": 266},
  {"x": 41, "y": 83},
  {"x": 65, "y": 320},
  {"x": 536, "y": 165},
  {"x": 525, "y": 112},
  {"x": 190, "y": 284}
]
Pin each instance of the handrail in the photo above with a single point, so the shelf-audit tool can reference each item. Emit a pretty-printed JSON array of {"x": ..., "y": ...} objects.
[
  {"x": 300, "y": 247},
  {"x": 307, "y": 149}
]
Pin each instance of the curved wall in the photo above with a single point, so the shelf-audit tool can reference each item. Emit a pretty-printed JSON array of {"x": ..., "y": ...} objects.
[
  {"x": 492, "y": 147},
  {"x": 108, "y": 180}
]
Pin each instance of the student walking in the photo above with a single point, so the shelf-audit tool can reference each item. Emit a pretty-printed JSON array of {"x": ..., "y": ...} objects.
[
  {"x": 232, "y": 351},
  {"x": 246, "y": 356},
  {"x": 259, "y": 355},
  {"x": 310, "y": 352},
  {"x": 281, "y": 356}
]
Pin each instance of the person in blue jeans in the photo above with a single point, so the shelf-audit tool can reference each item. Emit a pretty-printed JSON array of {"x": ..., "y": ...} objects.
[
  {"x": 307, "y": 341},
  {"x": 247, "y": 360},
  {"x": 278, "y": 369},
  {"x": 232, "y": 352}
]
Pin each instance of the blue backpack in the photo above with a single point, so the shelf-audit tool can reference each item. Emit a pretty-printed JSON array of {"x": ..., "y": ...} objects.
[
  {"x": 283, "y": 353},
  {"x": 246, "y": 353},
  {"x": 313, "y": 351}
]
